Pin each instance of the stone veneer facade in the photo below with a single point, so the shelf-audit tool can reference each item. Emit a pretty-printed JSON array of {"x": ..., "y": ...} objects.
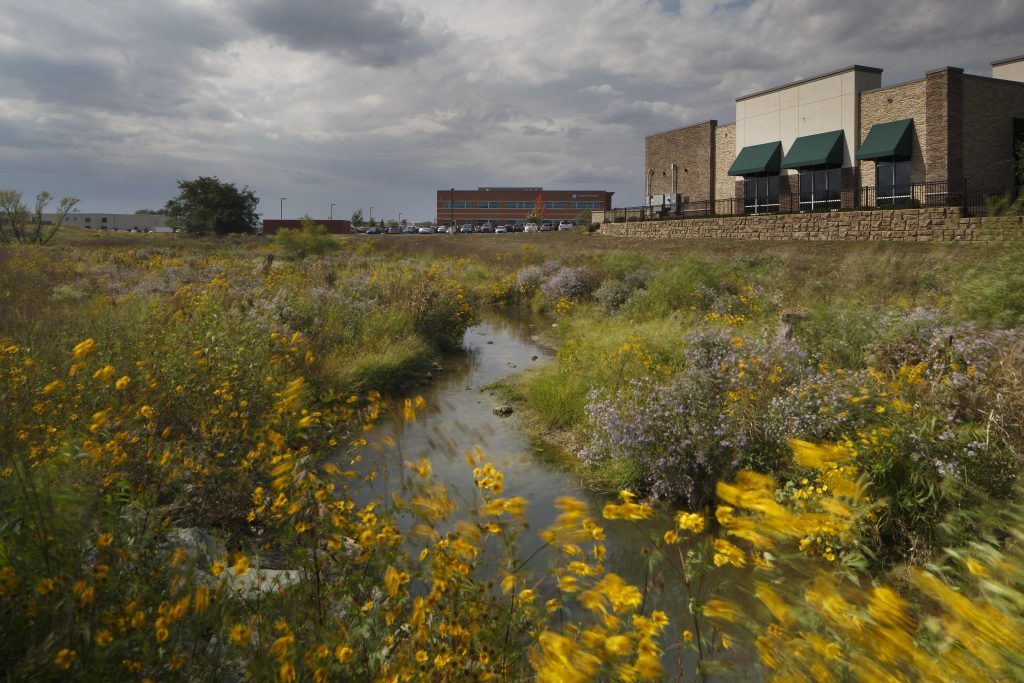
[
  {"x": 942, "y": 224},
  {"x": 725, "y": 152},
  {"x": 894, "y": 103}
]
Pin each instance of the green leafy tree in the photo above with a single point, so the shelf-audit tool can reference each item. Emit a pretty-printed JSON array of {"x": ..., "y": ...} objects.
[
  {"x": 19, "y": 224},
  {"x": 357, "y": 218},
  {"x": 208, "y": 206},
  {"x": 584, "y": 217},
  {"x": 150, "y": 212}
]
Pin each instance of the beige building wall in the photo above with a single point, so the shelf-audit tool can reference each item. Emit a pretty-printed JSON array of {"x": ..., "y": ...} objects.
[
  {"x": 897, "y": 102},
  {"x": 817, "y": 105},
  {"x": 725, "y": 154},
  {"x": 1009, "y": 69}
]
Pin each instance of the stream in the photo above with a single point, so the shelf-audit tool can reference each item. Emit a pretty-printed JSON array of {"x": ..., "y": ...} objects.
[{"x": 459, "y": 416}]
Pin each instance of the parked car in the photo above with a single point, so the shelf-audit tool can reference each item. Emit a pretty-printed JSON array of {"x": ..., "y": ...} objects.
[
  {"x": 467, "y": 228},
  {"x": 394, "y": 230},
  {"x": 517, "y": 227},
  {"x": 408, "y": 230},
  {"x": 501, "y": 228},
  {"x": 426, "y": 230},
  {"x": 486, "y": 227},
  {"x": 546, "y": 227},
  {"x": 372, "y": 231},
  {"x": 566, "y": 225},
  {"x": 442, "y": 229},
  {"x": 531, "y": 227}
]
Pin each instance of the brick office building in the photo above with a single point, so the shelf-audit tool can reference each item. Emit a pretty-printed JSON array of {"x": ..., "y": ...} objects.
[
  {"x": 840, "y": 140},
  {"x": 509, "y": 205}
]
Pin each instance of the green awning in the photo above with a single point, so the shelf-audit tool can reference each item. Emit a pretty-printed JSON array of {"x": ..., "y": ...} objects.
[
  {"x": 823, "y": 149},
  {"x": 888, "y": 140},
  {"x": 763, "y": 158}
]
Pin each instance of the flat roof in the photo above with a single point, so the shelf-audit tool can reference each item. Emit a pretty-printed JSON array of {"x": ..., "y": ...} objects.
[
  {"x": 689, "y": 125},
  {"x": 523, "y": 189},
  {"x": 852, "y": 67},
  {"x": 1000, "y": 62}
]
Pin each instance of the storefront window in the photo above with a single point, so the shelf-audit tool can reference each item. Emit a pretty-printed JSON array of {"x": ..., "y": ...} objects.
[
  {"x": 892, "y": 182},
  {"x": 820, "y": 189},
  {"x": 761, "y": 194}
]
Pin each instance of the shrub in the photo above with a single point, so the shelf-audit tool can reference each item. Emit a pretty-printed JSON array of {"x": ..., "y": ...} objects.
[
  {"x": 530, "y": 278},
  {"x": 682, "y": 435},
  {"x": 612, "y": 295},
  {"x": 311, "y": 240},
  {"x": 569, "y": 283}
]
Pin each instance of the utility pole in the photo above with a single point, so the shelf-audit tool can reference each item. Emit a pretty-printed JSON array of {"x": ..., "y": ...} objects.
[
  {"x": 332, "y": 213},
  {"x": 282, "y": 207}
]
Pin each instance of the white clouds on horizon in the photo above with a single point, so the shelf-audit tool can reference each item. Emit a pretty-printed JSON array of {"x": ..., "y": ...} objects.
[{"x": 381, "y": 103}]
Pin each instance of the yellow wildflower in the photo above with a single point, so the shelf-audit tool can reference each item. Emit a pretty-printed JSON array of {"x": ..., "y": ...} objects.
[
  {"x": 65, "y": 657},
  {"x": 690, "y": 521}
]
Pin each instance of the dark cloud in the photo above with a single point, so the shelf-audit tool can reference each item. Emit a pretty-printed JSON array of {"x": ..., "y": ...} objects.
[
  {"x": 115, "y": 101},
  {"x": 122, "y": 57},
  {"x": 361, "y": 31}
]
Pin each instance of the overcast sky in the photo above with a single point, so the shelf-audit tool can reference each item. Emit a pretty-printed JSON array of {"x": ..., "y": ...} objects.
[{"x": 382, "y": 103}]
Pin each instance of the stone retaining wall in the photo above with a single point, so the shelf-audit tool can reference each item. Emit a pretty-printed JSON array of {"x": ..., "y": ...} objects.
[{"x": 941, "y": 224}]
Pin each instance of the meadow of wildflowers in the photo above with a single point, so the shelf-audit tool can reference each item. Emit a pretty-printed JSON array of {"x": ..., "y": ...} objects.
[{"x": 181, "y": 487}]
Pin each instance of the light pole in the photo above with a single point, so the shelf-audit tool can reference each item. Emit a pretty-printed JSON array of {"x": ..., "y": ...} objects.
[
  {"x": 371, "y": 216},
  {"x": 332, "y": 213},
  {"x": 399, "y": 217},
  {"x": 282, "y": 207},
  {"x": 451, "y": 205}
]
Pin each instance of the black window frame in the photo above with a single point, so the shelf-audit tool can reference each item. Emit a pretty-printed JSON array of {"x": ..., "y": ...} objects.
[
  {"x": 893, "y": 186},
  {"x": 812, "y": 196},
  {"x": 765, "y": 198}
]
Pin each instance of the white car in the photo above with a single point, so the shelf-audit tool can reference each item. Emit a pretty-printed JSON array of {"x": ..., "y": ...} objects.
[
  {"x": 531, "y": 227},
  {"x": 501, "y": 228},
  {"x": 426, "y": 230},
  {"x": 566, "y": 225}
]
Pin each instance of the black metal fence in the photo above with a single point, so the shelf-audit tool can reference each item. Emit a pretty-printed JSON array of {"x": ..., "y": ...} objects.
[{"x": 914, "y": 196}]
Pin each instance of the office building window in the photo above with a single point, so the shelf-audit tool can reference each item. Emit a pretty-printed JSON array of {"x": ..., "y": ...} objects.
[
  {"x": 820, "y": 188},
  {"x": 103, "y": 220},
  {"x": 892, "y": 183},
  {"x": 554, "y": 205},
  {"x": 761, "y": 194},
  {"x": 519, "y": 205},
  {"x": 586, "y": 205},
  {"x": 488, "y": 205},
  {"x": 458, "y": 205},
  {"x": 88, "y": 220}
]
